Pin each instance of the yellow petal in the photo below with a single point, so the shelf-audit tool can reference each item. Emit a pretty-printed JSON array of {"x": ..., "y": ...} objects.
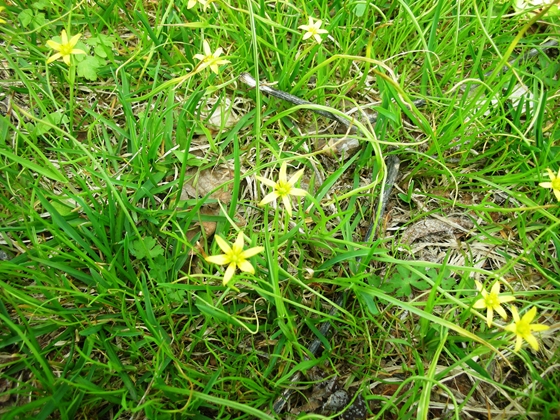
[
  {"x": 518, "y": 343},
  {"x": 252, "y": 251},
  {"x": 495, "y": 288},
  {"x": 514, "y": 313},
  {"x": 501, "y": 311},
  {"x": 551, "y": 174},
  {"x": 266, "y": 181},
  {"x": 74, "y": 40},
  {"x": 63, "y": 37},
  {"x": 283, "y": 168},
  {"x": 53, "y": 44},
  {"x": 295, "y": 177},
  {"x": 247, "y": 267},
  {"x": 217, "y": 259},
  {"x": 54, "y": 57},
  {"x": 532, "y": 341},
  {"x": 542, "y": 184},
  {"x": 479, "y": 304},
  {"x": 66, "y": 59},
  {"x": 298, "y": 192},
  {"x": 269, "y": 198},
  {"x": 539, "y": 327},
  {"x": 478, "y": 285},
  {"x": 239, "y": 242},
  {"x": 529, "y": 316},
  {"x": 229, "y": 274},
  {"x": 287, "y": 205},
  {"x": 489, "y": 317},
  {"x": 206, "y": 48},
  {"x": 224, "y": 246},
  {"x": 557, "y": 194}
]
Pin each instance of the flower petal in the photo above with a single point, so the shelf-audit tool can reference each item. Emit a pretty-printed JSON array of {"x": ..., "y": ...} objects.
[
  {"x": 541, "y": 184},
  {"x": 64, "y": 37},
  {"x": 518, "y": 343},
  {"x": 206, "y": 48},
  {"x": 239, "y": 241},
  {"x": 217, "y": 259},
  {"x": 287, "y": 205},
  {"x": 247, "y": 267},
  {"x": 266, "y": 181},
  {"x": 495, "y": 288},
  {"x": 283, "y": 169},
  {"x": 224, "y": 246},
  {"x": 53, "y": 44},
  {"x": 74, "y": 40},
  {"x": 557, "y": 194},
  {"x": 269, "y": 198},
  {"x": 295, "y": 177},
  {"x": 532, "y": 341},
  {"x": 298, "y": 192},
  {"x": 501, "y": 311},
  {"x": 248, "y": 253},
  {"x": 54, "y": 57},
  {"x": 530, "y": 315},
  {"x": 514, "y": 313},
  {"x": 539, "y": 327},
  {"x": 230, "y": 271},
  {"x": 490, "y": 316},
  {"x": 505, "y": 299},
  {"x": 479, "y": 304},
  {"x": 478, "y": 285}
]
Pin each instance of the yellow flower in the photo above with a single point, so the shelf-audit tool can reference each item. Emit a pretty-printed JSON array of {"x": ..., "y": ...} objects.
[
  {"x": 209, "y": 58},
  {"x": 283, "y": 188},
  {"x": 1, "y": 10},
  {"x": 554, "y": 183},
  {"x": 523, "y": 328},
  {"x": 492, "y": 301},
  {"x": 203, "y": 3},
  {"x": 234, "y": 256},
  {"x": 65, "y": 48},
  {"x": 313, "y": 30}
]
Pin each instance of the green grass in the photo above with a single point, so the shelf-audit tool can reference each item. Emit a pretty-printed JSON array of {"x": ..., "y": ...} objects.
[{"x": 107, "y": 306}]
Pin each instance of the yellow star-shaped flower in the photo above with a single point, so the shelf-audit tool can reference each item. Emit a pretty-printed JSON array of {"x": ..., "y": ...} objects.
[
  {"x": 554, "y": 183},
  {"x": 65, "y": 47},
  {"x": 283, "y": 188},
  {"x": 234, "y": 257},
  {"x": 313, "y": 30},
  {"x": 492, "y": 301},
  {"x": 523, "y": 328},
  {"x": 209, "y": 58}
]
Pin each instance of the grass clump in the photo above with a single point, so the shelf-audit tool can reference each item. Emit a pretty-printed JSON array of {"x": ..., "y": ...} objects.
[{"x": 135, "y": 164}]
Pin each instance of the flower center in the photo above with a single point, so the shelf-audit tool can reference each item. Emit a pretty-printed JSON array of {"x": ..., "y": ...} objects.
[
  {"x": 556, "y": 184},
  {"x": 492, "y": 300},
  {"x": 235, "y": 255},
  {"x": 283, "y": 188},
  {"x": 523, "y": 328},
  {"x": 66, "y": 49}
]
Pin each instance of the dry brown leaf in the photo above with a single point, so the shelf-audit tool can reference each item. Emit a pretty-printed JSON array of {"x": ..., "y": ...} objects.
[{"x": 198, "y": 183}]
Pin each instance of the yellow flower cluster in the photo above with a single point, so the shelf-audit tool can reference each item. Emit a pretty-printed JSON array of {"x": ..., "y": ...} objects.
[
  {"x": 234, "y": 256},
  {"x": 521, "y": 327}
]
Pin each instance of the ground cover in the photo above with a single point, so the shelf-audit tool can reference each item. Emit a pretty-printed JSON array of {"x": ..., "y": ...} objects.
[{"x": 174, "y": 237}]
